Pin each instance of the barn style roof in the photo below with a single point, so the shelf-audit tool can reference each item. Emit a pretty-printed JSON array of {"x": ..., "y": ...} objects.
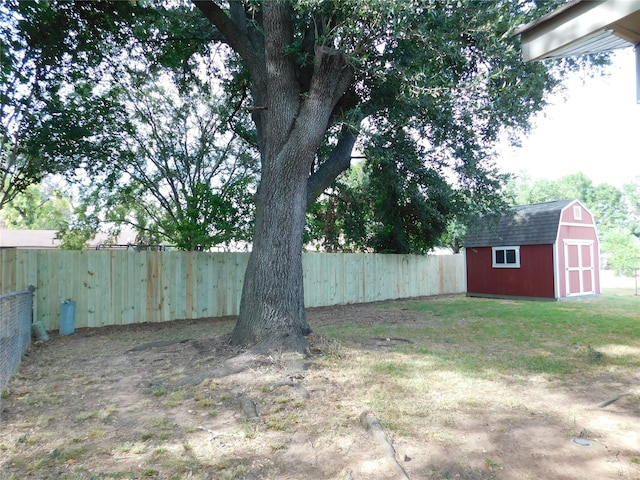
[{"x": 535, "y": 224}]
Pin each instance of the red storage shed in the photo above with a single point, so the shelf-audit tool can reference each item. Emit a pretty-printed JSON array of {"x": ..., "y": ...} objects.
[{"x": 544, "y": 250}]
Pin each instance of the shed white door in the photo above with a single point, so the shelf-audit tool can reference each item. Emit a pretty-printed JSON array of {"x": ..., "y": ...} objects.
[{"x": 579, "y": 267}]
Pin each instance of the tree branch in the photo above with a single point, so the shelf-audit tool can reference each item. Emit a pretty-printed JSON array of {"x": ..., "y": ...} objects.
[
  {"x": 283, "y": 99},
  {"x": 338, "y": 161},
  {"x": 248, "y": 43},
  {"x": 235, "y": 35}
]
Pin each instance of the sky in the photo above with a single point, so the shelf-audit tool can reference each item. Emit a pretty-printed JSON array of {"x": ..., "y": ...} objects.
[{"x": 593, "y": 127}]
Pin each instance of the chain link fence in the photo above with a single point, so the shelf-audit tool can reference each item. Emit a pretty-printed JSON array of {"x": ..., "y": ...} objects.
[{"x": 15, "y": 331}]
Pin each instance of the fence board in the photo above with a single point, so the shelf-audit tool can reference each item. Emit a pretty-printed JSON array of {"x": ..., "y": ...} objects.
[
  {"x": 118, "y": 287},
  {"x": 8, "y": 272}
]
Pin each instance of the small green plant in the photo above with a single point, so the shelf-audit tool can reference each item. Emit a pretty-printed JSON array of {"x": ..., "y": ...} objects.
[
  {"x": 491, "y": 464},
  {"x": 135, "y": 448},
  {"x": 90, "y": 416},
  {"x": 27, "y": 440},
  {"x": 594, "y": 356},
  {"x": 204, "y": 402},
  {"x": 275, "y": 423},
  {"x": 174, "y": 398},
  {"x": 159, "y": 392},
  {"x": 56, "y": 457},
  {"x": 236, "y": 466}
]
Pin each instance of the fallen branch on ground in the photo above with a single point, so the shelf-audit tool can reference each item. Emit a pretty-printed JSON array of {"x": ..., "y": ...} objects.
[
  {"x": 213, "y": 434},
  {"x": 614, "y": 399}
]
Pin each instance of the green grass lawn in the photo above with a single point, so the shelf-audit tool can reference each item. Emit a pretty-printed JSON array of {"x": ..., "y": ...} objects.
[{"x": 491, "y": 337}]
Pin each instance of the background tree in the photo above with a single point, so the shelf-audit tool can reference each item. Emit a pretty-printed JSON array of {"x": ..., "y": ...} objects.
[
  {"x": 577, "y": 185},
  {"x": 392, "y": 203},
  {"x": 74, "y": 75},
  {"x": 621, "y": 251},
  {"x": 38, "y": 207},
  {"x": 632, "y": 200},
  {"x": 52, "y": 63},
  {"x": 486, "y": 199},
  {"x": 26, "y": 109},
  {"x": 170, "y": 165}
]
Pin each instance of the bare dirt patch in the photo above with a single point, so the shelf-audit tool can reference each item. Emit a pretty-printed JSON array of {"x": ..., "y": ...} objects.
[{"x": 113, "y": 403}]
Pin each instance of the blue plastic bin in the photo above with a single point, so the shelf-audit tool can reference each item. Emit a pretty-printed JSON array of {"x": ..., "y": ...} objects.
[{"x": 67, "y": 317}]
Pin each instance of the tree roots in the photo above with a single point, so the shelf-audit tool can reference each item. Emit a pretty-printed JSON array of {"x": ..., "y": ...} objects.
[
  {"x": 294, "y": 378},
  {"x": 372, "y": 425},
  {"x": 231, "y": 366}
]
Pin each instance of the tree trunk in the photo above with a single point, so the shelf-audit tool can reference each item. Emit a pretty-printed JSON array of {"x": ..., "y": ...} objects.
[
  {"x": 291, "y": 119},
  {"x": 272, "y": 306}
]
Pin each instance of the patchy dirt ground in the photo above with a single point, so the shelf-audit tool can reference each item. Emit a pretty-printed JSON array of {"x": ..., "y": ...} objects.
[{"x": 115, "y": 403}]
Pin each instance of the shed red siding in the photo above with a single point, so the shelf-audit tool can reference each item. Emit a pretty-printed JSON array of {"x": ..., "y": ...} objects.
[{"x": 534, "y": 278}]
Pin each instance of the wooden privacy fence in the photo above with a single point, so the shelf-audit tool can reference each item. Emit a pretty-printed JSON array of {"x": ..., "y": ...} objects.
[{"x": 116, "y": 287}]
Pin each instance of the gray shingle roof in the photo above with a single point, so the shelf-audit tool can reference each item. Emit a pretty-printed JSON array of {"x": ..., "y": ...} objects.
[{"x": 535, "y": 224}]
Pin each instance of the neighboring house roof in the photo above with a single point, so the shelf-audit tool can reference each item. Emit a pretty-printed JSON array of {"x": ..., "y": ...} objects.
[
  {"x": 535, "y": 224},
  {"x": 47, "y": 239},
  {"x": 29, "y": 238}
]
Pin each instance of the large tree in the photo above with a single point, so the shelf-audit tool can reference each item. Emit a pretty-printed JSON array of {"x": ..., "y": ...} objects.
[{"x": 447, "y": 73}]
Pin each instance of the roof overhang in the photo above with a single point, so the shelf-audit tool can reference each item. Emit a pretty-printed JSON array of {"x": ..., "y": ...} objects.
[{"x": 584, "y": 27}]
